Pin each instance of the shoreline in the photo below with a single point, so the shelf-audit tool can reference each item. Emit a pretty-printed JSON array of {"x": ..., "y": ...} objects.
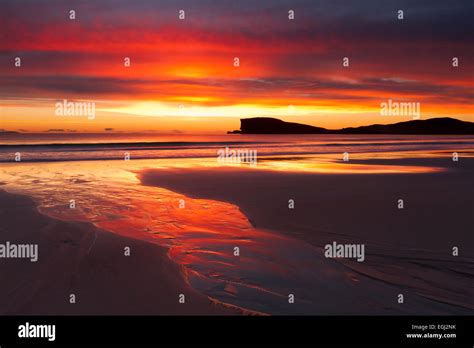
[
  {"x": 259, "y": 280},
  {"x": 233, "y": 184},
  {"x": 81, "y": 259},
  {"x": 356, "y": 209}
]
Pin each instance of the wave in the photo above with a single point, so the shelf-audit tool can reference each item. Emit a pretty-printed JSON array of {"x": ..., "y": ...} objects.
[
  {"x": 103, "y": 151},
  {"x": 183, "y": 145}
]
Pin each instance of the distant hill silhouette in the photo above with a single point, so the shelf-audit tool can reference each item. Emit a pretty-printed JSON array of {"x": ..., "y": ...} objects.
[
  {"x": 3, "y": 131},
  {"x": 268, "y": 125}
]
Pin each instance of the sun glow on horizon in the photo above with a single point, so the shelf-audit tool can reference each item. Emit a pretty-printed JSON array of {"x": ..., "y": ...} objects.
[
  {"x": 234, "y": 64},
  {"x": 153, "y": 108}
]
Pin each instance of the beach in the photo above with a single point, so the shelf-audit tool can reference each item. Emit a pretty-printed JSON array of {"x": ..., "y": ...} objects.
[
  {"x": 77, "y": 258},
  {"x": 410, "y": 247},
  {"x": 290, "y": 172},
  {"x": 246, "y": 238},
  {"x": 357, "y": 205}
]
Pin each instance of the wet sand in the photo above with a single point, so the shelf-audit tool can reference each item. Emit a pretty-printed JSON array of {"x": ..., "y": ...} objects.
[
  {"x": 408, "y": 248},
  {"x": 438, "y": 207},
  {"x": 78, "y": 258},
  {"x": 281, "y": 254}
]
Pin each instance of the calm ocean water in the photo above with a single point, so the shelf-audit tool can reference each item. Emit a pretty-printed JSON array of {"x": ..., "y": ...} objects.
[{"x": 75, "y": 147}]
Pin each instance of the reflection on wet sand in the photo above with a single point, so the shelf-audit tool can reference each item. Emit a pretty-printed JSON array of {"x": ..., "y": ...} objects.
[{"x": 202, "y": 235}]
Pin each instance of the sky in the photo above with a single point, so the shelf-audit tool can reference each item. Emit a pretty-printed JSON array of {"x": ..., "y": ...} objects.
[{"x": 183, "y": 77}]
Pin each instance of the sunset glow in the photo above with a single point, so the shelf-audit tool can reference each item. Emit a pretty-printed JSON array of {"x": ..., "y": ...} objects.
[{"x": 183, "y": 70}]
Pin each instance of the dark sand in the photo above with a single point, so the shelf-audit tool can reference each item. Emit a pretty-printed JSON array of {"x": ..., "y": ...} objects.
[
  {"x": 81, "y": 259},
  {"x": 409, "y": 248},
  {"x": 438, "y": 212}
]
